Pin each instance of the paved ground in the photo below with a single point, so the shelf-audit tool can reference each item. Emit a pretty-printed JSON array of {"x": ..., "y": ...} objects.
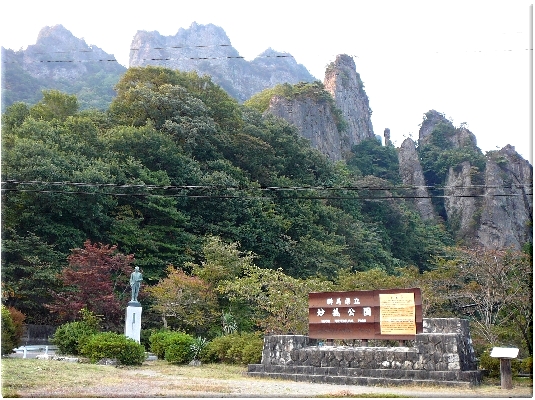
[{"x": 32, "y": 351}]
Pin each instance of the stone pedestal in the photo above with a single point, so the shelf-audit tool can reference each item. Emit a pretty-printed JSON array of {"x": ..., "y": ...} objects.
[
  {"x": 441, "y": 355},
  {"x": 132, "y": 327}
]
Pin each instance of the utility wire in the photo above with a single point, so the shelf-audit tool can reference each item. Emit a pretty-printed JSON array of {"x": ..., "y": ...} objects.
[
  {"x": 269, "y": 188},
  {"x": 284, "y": 55},
  {"x": 143, "y": 59},
  {"x": 248, "y": 196},
  {"x": 212, "y": 196}
]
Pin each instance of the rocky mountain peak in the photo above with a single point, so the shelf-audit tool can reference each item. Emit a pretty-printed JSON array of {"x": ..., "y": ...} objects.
[
  {"x": 431, "y": 119},
  {"x": 58, "y": 36},
  {"x": 333, "y": 127},
  {"x": 59, "y": 60},
  {"x": 343, "y": 82},
  {"x": 456, "y": 137},
  {"x": 208, "y": 50},
  {"x": 57, "y": 48},
  {"x": 487, "y": 205}
]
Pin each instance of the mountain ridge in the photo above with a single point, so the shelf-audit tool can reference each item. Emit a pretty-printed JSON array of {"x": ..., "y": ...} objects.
[
  {"x": 208, "y": 50},
  {"x": 59, "y": 60}
]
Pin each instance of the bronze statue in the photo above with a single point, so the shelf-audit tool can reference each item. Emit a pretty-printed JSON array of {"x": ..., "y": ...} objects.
[{"x": 135, "y": 282}]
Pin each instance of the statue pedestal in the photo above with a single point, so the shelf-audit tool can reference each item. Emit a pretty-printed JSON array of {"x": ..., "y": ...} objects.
[{"x": 132, "y": 327}]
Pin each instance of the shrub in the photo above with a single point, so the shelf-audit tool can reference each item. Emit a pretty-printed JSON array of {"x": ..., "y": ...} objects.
[
  {"x": 178, "y": 348},
  {"x": 9, "y": 334},
  {"x": 70, "y": 336},
  {"x": 157, "y": 343},
  {"x": 113, "y": 345},
  {"x": 18, "y": 321},
  {"x": 526, "y": 365},
  {"x": 174, "y": 347},
  {"x": 244, "y": 348}
]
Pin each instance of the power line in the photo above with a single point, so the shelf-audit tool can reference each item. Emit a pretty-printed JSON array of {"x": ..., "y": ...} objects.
[
  {"x": 270, "y": 188},
  {"x": 247, "y": 193},
  {"x": 199, "y": 58},
  {"x": 212, "y": 196},
  {"x": 201, "y": 46}
]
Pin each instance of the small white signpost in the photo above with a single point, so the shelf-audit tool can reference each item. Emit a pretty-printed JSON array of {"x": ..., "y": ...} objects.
[{"x": 505, "y": 354}]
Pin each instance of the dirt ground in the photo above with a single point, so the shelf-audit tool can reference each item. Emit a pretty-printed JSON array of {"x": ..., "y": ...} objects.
[{"x": 147, "y": 382}]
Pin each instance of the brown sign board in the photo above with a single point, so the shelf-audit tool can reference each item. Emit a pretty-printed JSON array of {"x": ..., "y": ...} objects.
[{"x": 389, "y": 314}]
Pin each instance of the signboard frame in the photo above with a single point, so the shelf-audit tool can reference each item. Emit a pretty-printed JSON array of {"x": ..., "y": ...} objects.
[{"x": 357, "y": 314}]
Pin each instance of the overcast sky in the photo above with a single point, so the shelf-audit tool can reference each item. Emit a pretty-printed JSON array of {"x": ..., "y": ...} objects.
[{"x": 469, "y": 60}]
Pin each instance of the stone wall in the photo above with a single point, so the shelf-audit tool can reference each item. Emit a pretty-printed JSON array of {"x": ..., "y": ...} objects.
[
  {"x": 442, "y": 354},
  {"x": 456, "y": 340}
]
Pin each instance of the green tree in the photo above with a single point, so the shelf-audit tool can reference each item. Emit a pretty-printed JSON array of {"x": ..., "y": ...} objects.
[
  {"x": 371, "y": 158},
  {"x": 55, "y": 105},
  {"x": 280, "y": 302},
  {"x": 222, "y": 262},
  {"x": 224, "y": 110},
  {"x": 189, "y": 300},
  {"x": 29, "y": 263}
]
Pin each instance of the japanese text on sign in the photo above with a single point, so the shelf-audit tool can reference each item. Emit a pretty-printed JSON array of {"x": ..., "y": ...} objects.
[{"x": 397, "y": 314}]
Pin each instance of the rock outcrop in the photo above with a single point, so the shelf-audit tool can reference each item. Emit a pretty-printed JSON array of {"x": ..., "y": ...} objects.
[
  {"x": 208, "y": 50},
  {"x": 457, "y": 137},
  {"x": 314, "y": 120},
  {"x": 345, "y": 86},
  {"x": 412, "y": 176},
  {"x": 461, "y": 202},
  {"x": 507, "y": 212},
  {"x": 490, "y": 207},
  {"x": 333, "y": 126}
]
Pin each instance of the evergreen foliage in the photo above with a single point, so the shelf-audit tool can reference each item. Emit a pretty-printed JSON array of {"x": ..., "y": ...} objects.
[
  {"x": 235, "y": 348},
  {"x": 223, "y": 207},
  {"x": 174, "y": 346},
  {"x": 114, "y": 346},
  {"x": 9, "y": 332},
  {"x": 371, "y": 158},
  {"x": 71, "y": 336}
]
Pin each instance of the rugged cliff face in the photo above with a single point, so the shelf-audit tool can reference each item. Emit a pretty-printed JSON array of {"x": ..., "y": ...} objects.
[
  {"x": 461, "y": 202},
  {"x": 412, "y": 175},
  {"x": 490, "y": 206},
  {"x": 333, "y": 127},
  {"x": 208, "y": 50},
  {"x": 345, "y": 86},
  {"x": 507, "y": 212},
  {"x": 314, "y": 120}
]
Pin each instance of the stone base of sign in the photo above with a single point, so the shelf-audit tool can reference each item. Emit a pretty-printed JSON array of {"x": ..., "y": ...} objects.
[
  {"x": 132, "y": 328},
  {"x": 442, "y": 355}
]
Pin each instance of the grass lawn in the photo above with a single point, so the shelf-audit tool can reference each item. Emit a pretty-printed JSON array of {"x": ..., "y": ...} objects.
[{"x": 51, "y": 378}]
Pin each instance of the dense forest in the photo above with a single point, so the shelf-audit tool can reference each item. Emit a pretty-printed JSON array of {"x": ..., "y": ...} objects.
[{"x": 231, "y": 206}]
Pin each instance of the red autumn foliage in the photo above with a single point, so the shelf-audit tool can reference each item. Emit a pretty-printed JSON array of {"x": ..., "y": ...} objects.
[{"x": 96, "y": 279}]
